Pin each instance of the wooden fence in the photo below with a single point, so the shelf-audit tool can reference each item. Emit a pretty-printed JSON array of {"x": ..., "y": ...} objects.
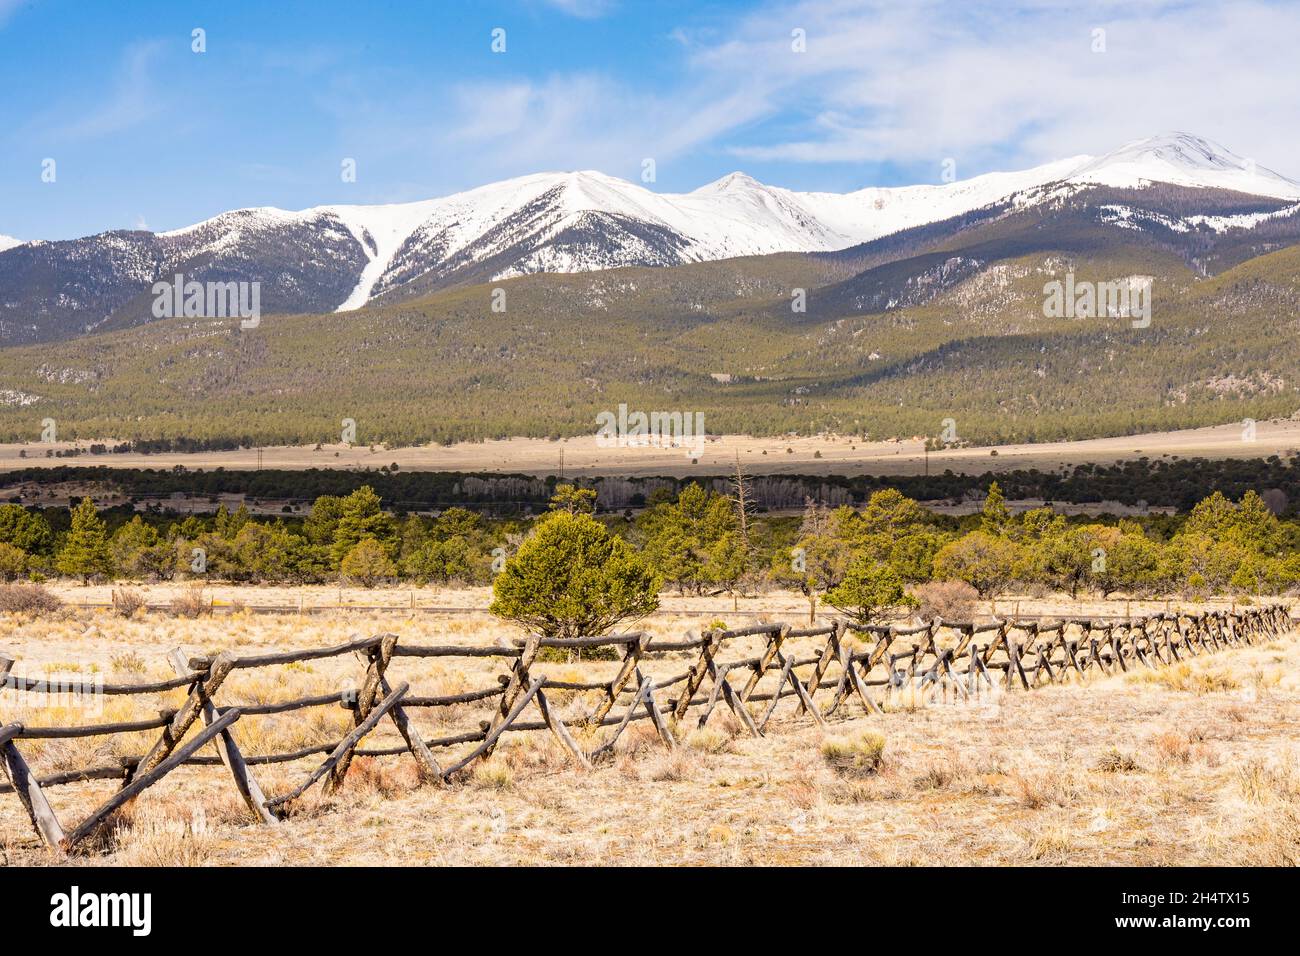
[{"x": 841, "y": 661}]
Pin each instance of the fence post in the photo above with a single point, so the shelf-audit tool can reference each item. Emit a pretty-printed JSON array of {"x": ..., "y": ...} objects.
[
  {"x": 202, "y": 690},
  {"x": 29, "y": 791},
  {"x": 229, "y": 751}
]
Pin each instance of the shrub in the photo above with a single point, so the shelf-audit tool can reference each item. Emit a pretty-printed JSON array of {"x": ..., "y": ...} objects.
[
  {"x": 367, "y": 564},
  {"x": 1115, "y": 760},
  {"x": 13, "y": 562},
  {"x": 869, "y": 589},
  {"x": 572, "y": 578},
  {"x": 950, "y": 600},
  {"x": 856, "y": 756},
  {"x": 127, "y": 601},
  {"x": 29, "y": 598},
  {"x": 983, "y": 560},
  {"x": 190, "y": 603}
]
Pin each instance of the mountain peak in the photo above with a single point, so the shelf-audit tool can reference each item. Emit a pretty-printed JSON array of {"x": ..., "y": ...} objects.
[
  {"x": 1183, "y": 159},
  {"x": 731, "y": 182},
  {"x": 8, "y": 242}
]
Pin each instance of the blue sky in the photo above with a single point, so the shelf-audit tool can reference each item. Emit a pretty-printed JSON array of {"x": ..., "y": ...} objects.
[{"x": 148, "y": 134}]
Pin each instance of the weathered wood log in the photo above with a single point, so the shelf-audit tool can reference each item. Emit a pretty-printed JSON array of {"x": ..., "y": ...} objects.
[
  {"x": 499, "y": 727},
  {"x": 229, "y": 753},
  {"x": 702, "y": 668},
  {"x": 578, "y": 643},
  {"x": 426, "y": 765},
  {"x": 643, "y": 689},
  {"x": 284, "y": 707},
  {"x": 200, "y": 692},
  {"x": 805, "y": 695},
  {"x": 860, "y": 688},
  {"x": 786, "y": 670},
  {"x": 42, "y": 686},
  {"x": 345, "y": 746},
  {"x": 417, "y": 650},
  {"x": 93, "y": 730},
  {"x": 773, "y": 647},
  {"x": 656, "y": 717},
  {"x": 377, "y": 657},
  {"x": 631, "y": 659},
  {"x": 292, "y": 657},
  {"x": 829, "y": 652},
  {"x": 9, "y": 732},
  {"x": 143, "y": 779},
  {"x": 720, "y": 677},
  {"x": 446, "y": 700},
  {"x": 31, "y": 796},
  {"x": 560, "y": 731},
  {"x": 733, "y": 701},
  {"x": 107, "y": 772},
  {"x": 519, "y": 679}
]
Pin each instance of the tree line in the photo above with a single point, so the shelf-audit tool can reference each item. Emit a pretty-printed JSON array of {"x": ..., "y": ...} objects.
[
  {"x": 1172, "y": 482},
  {"x": 694, "y": 541}
]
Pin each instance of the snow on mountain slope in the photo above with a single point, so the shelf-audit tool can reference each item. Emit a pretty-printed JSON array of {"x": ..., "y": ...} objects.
[
  {"x": 734, "y": 216},
  {"x": 1183, "y": 160},
  {"x": 345, "y": 256},
  {"x": 380, "y": 230},
  {"x": 875, "y": 212}
]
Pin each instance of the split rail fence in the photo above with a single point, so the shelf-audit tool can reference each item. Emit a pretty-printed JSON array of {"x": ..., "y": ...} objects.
[{"x": 964, "y": 659}]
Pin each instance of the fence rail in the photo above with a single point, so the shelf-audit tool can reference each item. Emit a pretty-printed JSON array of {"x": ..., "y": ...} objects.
[{"x": 964, "y": 659}]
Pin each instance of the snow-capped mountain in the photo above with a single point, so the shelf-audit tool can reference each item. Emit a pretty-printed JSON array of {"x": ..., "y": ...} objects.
[
  {"x": 8, "y": 242},
  {"x": 341, "y": 257},
  {"x": 1180, "y": 159}
]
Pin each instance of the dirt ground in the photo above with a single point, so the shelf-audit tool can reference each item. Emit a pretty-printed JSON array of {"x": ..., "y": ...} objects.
[
  {"x": 1191, "y": 764},
  {"x": 818, "y": 455}
]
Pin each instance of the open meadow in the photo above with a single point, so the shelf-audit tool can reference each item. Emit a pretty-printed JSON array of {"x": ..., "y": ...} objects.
[
  {"x": 1190, "y": 762},
  {"x": 825, "y": 454}
]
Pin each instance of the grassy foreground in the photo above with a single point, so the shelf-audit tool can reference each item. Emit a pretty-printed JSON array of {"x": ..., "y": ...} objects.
[{"x": 1193, "y": 764}]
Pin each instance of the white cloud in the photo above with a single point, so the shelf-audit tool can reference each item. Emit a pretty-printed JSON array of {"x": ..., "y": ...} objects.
[
  {"x": 884, "y": 82},
  {"x": 994, "y": 86},
  {"x": 1001, "y": 85}
]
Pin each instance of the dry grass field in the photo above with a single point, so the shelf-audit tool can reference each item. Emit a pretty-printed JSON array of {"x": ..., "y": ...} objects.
[
  {"x": 807, "y": 455},
  {"x": 1190, "y": 764}
]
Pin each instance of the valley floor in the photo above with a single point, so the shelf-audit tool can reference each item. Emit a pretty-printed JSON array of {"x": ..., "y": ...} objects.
[{"x": 820, "y": 455}]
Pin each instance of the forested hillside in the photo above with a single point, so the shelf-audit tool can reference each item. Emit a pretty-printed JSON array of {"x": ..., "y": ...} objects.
[{"x": 886, "y": 340}]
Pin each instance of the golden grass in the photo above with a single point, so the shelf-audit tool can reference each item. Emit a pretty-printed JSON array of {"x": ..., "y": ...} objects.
[
  {"x": 858, "y": 755},
  {"x": 1189, "y": 765}
]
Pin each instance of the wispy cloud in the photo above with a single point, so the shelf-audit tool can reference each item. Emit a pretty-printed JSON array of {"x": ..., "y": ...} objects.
[
  {"x": 585, "y": 9},
  {"x": 880, "y": 83},
  {"x": 7, "y": 8},
  {"x": 135, "y": 99},
  {"x": 1022, "y": 80}
]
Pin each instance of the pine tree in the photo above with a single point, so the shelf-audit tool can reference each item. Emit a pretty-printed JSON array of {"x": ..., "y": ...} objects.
[
  {"x": 361, "y": 517},
  {"x": 994, "y": 516},
  {"x": 85, "y": 550},
  {"x": 573, "y": 499}
]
